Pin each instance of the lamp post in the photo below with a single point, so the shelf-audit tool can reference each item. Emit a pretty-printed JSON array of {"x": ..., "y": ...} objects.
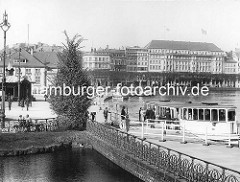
[
  {"x": 19, "y": 71},
  {"x": 5, "y": 26}
]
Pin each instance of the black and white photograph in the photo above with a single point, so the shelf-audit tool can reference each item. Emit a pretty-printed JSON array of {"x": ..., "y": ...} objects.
[{"x": 119, "y": 90}]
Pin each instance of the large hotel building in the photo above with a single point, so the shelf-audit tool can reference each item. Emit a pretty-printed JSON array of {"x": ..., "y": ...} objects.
[{"x": 166, "y": 56}]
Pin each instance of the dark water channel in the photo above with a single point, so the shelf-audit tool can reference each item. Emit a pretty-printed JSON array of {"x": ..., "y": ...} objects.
[{"x": 81, "y": 165}]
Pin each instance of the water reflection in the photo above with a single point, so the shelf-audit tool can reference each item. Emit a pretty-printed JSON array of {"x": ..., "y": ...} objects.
[{"x": 83, "y": 165}]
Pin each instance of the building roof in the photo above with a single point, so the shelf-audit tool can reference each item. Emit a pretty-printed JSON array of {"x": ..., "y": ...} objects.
[
  {"x": 95, "y": 54},
  {"x": 182, "y": 45},
  {"x": 230, "y": 60},
  {"x": 51, "y": 59},
  {"x": 111, "y": 51},
  {"x": 32, "y": 62}
]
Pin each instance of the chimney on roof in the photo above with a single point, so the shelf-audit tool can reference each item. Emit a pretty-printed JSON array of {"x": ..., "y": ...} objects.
[
  {"x": 91, "y": 49},
  {"x": 31, "y": 51}
]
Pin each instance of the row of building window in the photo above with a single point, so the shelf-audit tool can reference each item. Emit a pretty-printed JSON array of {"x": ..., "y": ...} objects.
[
  {"x": 164, "y": 51},
  {"x": 142, "y": 63},
  {"x": 96, "y": 65},
  {"x": 96, "y": 59}
]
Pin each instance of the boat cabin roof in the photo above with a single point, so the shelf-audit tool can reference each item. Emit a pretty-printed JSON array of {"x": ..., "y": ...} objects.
[{"x": 192, "y": 105}]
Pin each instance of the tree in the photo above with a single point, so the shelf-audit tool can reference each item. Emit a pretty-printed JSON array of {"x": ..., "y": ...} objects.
[{"x": 71, "y": 107}]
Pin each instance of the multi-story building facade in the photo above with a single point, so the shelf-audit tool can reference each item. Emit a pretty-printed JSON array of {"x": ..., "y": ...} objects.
[
  {"x": 96, "y": 60},
  {"x": 137, "y": 59},
  {"x": 117, "y": 57},
  {"x": 231, "y": 64},
  {"x": 180, "y": 56}
]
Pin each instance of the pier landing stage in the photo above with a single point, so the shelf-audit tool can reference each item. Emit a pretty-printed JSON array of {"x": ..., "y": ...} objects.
[{"x": 218, "y": 154}]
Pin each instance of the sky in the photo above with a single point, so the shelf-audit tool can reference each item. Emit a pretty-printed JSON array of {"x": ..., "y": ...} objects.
[{"x": 120, "y": 23}]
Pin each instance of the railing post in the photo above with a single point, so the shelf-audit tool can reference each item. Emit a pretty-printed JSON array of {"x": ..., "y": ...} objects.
[
  {"x": 46, "y": 125},
  {"x": 142, "y": 156},
  {"x": 238, "y": 140},
  {"x": 142, "y": 133},
  {"x": 149, "y": 155},
  {"x": 206, "y": 173},
  {"x": 206, "y": 139},
  {"x": 179, "y": 168},
  {"x": 163, "y": 129},
  {"x": 229, "y": 141},
  {"x": 183, "y": 138},
  {"x": 146, "y": 125},
  {"x": 223, "y": 175}
]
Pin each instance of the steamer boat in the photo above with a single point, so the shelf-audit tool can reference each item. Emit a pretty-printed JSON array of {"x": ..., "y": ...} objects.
[{"x": 219, "y": 121}]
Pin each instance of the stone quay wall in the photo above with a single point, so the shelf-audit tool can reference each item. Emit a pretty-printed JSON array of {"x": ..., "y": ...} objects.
[
  {"x": 152, "y": 162},
  {"x": 135, "y": 166}
]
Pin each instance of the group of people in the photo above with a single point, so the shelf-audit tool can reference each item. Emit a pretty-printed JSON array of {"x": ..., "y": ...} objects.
[
  {"x": 25, "y": 123},
  {"x": 23, "y": 102},
  {"x": 124, "y": 122},
  {"x": 150, "y": 114}
]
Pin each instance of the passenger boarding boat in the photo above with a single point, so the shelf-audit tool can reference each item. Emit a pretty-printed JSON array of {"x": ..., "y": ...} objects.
[{"x": 218, "y": 121}]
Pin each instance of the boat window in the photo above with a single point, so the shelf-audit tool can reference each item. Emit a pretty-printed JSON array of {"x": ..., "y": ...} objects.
[
  {"x": 200, "y": 114},
  {"x": 185, "y": 113},
  {"x": 195, "y": 114},
  {"x": 158, "y": 111},
  {"x": 162, "y": 111},
  {"x": 214, "y": 115},
  {"x": 190, "y": 114},
  {"x": 231, "y": 115},
  {"x": 222, "y": 115},
  {"x": 207, "y": 114}
]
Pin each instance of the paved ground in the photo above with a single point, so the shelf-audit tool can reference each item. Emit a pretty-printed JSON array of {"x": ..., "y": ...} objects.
[{"x": 38, "y": 110}]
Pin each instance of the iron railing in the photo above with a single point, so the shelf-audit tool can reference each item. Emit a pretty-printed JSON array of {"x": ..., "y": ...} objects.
[
  {"x": 169, "y": 161},
  {"x": 38, "y": 124}
]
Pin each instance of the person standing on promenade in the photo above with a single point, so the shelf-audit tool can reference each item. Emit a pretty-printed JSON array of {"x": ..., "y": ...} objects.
[
  {"x": 127, "y": 122},
  {"x": 123, "y": 119},
  {"x": 22, "y": 103},
  {"x": 45, "y": 97},
  {"x": 105, "y": 114},
  {"x": 141, "y": 115},
  {"x": 9, "y": 102},
  {"x": 27, "y": 103}
]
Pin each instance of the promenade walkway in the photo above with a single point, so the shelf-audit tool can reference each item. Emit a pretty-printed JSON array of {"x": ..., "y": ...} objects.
[
  {"x": 38, "y": 110},
  {"x": 217, "y": 154}
]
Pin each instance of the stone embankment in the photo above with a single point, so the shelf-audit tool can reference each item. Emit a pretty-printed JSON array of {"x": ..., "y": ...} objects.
[{"x": 15, "y": 144}]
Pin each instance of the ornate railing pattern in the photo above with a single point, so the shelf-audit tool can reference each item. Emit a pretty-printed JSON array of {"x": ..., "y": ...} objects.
[{"x": 170, "y": 161}]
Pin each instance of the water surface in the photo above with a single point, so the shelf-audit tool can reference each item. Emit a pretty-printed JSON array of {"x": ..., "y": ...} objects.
[{"x": 82, "y": 165}]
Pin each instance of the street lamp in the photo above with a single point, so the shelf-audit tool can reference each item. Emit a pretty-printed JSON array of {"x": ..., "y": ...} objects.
[
  {"x": 19, "y": 71},
  {"x": 5, "y": 26}
]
